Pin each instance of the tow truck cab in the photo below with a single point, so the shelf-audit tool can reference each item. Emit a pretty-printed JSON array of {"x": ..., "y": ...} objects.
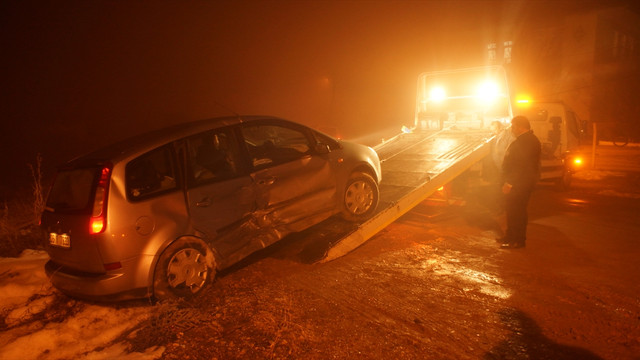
[{"x": 465, "y": 99}]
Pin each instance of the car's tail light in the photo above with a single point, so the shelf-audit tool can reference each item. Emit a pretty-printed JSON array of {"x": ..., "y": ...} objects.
[{"x": 99, "y": 213}]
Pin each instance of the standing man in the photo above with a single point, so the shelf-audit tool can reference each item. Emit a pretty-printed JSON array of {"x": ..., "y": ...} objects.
[{"x": 520, "y": 173}]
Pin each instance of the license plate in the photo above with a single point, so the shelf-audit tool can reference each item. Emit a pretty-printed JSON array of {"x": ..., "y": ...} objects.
[{"x": 61, "y": 240}]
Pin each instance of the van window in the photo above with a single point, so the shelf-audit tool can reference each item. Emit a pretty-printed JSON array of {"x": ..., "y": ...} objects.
[
  {"x": 537, "y": 114},
  {"x": 151, "y": 174},
  {"x": 212, "y": 156},
  {"x": 572, "y": 124},
  {"x": 274, "y": 144},
  {"x": 72, "y": 189}
]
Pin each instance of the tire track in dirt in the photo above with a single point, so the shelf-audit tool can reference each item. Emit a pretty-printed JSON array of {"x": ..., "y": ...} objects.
[{"x": 435, "y": 293}]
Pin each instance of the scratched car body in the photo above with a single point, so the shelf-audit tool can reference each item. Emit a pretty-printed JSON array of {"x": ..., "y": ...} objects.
[{"x": 158, "y": 215}]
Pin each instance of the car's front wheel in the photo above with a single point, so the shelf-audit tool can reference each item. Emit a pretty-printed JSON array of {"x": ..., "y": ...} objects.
[
  {"x": 183, "y": 270},
  {"x": 360, "y": 197}
]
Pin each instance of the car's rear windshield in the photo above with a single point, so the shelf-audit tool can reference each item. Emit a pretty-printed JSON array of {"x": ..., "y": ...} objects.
[{"x": 72, "y": 189}]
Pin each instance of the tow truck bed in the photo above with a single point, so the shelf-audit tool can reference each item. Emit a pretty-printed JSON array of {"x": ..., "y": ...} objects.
[{"x": 414, "y": 166}]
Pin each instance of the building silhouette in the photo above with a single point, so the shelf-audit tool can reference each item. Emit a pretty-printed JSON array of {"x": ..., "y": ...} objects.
[{"x": 589, "y": 60}]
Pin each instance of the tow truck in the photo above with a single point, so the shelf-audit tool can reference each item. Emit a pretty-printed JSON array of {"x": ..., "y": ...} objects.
[{"x": 451, "y": 135}]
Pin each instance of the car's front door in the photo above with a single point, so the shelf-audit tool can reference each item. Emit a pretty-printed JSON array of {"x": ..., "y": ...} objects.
[{"x": 295, "y": 183}]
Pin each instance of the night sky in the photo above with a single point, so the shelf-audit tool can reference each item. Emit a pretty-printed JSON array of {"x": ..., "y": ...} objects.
[{"x": 81, "y": 74}]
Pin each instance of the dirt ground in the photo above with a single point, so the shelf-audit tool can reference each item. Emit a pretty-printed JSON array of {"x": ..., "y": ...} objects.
[{"x": 433, "y": 285}]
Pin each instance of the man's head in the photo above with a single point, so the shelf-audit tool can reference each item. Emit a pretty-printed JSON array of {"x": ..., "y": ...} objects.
[
  {"x": 520, "y": 125},
  {"x": 496, "y": 126}
]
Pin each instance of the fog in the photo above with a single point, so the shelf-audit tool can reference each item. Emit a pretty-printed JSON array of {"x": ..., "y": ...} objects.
[{"x": 81, "y": 74}]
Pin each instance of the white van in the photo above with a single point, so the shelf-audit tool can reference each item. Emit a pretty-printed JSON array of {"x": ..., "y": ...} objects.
[{"x": 560, "y": 133}]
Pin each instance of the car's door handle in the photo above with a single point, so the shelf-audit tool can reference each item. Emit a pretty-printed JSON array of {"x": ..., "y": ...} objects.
[
  {"x": 267, "y": 181},
  {"x": 204, "y": 202}
]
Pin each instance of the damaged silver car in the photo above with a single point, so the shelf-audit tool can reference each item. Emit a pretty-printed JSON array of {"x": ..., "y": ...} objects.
[{"x": 158, "y": 215}]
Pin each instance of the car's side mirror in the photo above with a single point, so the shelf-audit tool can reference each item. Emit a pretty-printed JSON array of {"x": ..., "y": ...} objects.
[{"x": 322, "y": 148}]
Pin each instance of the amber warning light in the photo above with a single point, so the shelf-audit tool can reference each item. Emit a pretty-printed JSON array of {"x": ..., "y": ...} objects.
[{"x": 576, "y": 162}]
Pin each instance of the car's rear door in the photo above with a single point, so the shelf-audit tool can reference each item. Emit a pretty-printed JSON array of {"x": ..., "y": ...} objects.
[{"x": 220, "y": 190}]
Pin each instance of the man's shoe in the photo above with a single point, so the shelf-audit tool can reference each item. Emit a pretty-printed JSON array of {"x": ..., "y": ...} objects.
[
  {"x": 502, "y": 240},
  {"x": 511, "y": 246}
]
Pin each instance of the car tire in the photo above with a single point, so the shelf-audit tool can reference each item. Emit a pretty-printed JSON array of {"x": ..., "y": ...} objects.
[
  {"x": 360, "y": 197},
  {"x": 183, "y": 270}
]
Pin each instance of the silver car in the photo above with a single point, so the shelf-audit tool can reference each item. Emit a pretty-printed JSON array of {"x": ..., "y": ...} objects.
[{"x": 159, "y": 214}]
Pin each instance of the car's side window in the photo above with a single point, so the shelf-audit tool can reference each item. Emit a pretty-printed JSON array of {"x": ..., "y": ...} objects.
[
  {"x": 151, "y": 174},
  {"x": 212, "y": 156},
  {"x": 274, "y": 144}
]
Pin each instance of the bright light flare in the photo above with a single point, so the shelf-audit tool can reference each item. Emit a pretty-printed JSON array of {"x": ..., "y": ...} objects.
[
  {"x": 575, "y": 162},
  {"x": 488, "y": 92},
  {"x": 437, "y": 94},
  {"x": 523, "y": 100}
]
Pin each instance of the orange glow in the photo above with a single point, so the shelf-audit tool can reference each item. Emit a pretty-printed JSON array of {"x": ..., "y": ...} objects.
[
  {"x": 97, "y": 225},
  {"x": 523, "y": 100}
]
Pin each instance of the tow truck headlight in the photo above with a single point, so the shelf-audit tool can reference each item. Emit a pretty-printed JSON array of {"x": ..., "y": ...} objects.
[
  {"x": 488, "y": 92},
  {"x": 437, "y": 94}
]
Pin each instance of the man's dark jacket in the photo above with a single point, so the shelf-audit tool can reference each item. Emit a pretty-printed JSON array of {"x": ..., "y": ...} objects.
[{"x": 521, "y": 164}]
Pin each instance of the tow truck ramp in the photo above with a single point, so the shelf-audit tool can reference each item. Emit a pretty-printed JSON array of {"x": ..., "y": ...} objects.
[{"x": 414, "y": 166}]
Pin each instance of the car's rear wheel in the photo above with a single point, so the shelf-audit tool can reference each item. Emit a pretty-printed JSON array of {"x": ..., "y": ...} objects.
[
  {"x": 183, "y": 270},
  {"x": 360, "y": 197}
]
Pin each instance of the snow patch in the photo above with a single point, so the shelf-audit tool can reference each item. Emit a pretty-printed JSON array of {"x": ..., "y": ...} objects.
[
  {"x": 23, "y": 277},
  {"x": 28, "y": 299},
  {"x": 118, "y": 351}
]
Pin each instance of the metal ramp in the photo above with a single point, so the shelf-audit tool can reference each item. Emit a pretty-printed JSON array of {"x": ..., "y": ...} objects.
[{"x": 414, "y": 166}]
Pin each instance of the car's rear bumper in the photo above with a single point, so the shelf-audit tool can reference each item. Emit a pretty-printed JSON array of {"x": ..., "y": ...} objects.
[{"x": 116, "y": 285}]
